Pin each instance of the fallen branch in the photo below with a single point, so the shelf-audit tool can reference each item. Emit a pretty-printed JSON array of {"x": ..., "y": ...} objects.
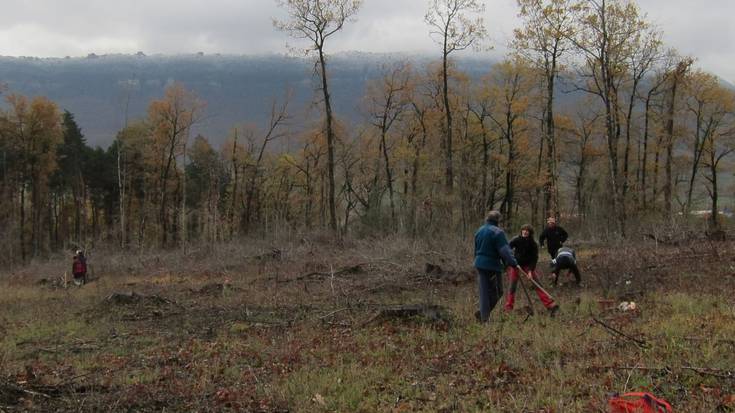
[
  {"x": 273, "y": 254},
  {"x": 640, "y": 343},
  {"x": 642, "y": 368},
  {"x": 431, "y": 313},
  {"x": 705, "y": 371},
  {"x": 723, "y": 374},
  {"x": 333, "y": 313},
  {"x": 35, "y": 393},
  {"x": 663, "y": 241},
  {"x": 717, "y": 341},
  {"x": 352, "y": 269},
  {"x": 135, "y": 298},
  {"x": 7, "y": 387}
]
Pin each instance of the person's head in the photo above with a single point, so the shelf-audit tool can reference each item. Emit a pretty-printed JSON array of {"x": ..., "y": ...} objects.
[
  {"x": 527, "y": 231},
  {"x": 493, "y": 217},
  {"x": 79, "y": 253},
  {"x": 551, "y": 221}
]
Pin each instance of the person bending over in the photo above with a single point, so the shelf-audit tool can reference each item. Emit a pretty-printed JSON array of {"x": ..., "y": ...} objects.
[{"x": 565, "y": 259}]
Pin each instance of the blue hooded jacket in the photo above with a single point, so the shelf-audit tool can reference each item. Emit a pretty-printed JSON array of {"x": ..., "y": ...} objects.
[{"x": 491, "y": 246}]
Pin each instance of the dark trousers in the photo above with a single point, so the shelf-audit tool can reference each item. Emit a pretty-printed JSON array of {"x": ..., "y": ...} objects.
[
  {"x": 553, "y": 249},
  {"x": 566, "y": 263},
  {"x": 490, "y": 287}
]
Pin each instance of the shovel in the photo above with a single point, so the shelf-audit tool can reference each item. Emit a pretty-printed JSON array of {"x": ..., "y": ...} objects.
[
  {"x": 535, "y": 283},
  {"x": 530, "y": 303}
]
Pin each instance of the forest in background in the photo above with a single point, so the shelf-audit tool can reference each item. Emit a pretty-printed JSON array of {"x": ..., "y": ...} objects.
[{"x": 646, "y": 143}]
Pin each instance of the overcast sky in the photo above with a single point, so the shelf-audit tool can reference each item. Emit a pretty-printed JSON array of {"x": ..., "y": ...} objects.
[{"x": 52, "y": 28}]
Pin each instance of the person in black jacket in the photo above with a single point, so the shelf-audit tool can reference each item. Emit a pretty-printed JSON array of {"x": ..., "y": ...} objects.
[
  {"x": 554, "y": 235},
  {"x": 525, "y": 252}
]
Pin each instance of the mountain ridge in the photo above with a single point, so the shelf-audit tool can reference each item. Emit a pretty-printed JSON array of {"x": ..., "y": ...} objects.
[{"x": 237, "y": 88}]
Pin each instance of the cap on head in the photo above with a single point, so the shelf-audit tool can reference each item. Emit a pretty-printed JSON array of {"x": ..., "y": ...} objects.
[
  {"x": 79, "y": 252},
  {"x": 493, "y": 216}
]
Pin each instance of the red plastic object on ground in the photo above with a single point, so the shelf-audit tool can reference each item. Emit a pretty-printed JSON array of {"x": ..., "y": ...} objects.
[{"x": 638, "y": 403}]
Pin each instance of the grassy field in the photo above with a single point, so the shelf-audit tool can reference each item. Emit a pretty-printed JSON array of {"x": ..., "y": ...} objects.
[{"x": 319, "y": 325}]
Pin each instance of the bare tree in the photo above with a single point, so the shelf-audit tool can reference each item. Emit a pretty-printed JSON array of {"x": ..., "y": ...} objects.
[
  {"x": 316, "y": 21},
  {"x": 388, "y": 100},
  {"x": 482, "y": 106},
  {"x": 454, "y": 30},
  {"x": 543, "y": 40},
  {"x": 718, "y": 146},
  {"x": 654, "y": 89},
  {"x": 675, "y": 78},
  {"x": 278, "y": 116},
  {"x": 646, "y": 52},
  {"x": 606, "y": 37},
  {"x": 705, "y": 104},
  {"x": 581, "y": 130},
  {"x": 510, "y": 86},
  {"x": 171, "y": 118},
  {"x": 416, "y": 134},
  {"x": 121, "y": 172}
]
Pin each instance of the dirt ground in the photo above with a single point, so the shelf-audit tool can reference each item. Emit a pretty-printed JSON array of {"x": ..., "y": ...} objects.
[{"x": 371, "y": 325}]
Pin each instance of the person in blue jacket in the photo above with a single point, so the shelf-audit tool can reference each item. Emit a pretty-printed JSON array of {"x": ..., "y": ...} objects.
[{"x": 491, "y": 246}]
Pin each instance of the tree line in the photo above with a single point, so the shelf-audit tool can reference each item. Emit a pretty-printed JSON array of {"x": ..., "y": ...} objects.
[{"x": 646, "y": 136}]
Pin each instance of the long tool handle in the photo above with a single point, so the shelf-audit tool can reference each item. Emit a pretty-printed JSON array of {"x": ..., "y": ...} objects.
[
  {"x": 528, "y": 297},
  {"x": 535, "y": 283}
]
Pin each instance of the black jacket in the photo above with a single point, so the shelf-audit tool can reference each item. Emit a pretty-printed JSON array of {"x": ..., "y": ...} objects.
[
  {"x": 525, "y": 251},
  {"x": 553, "y": 236}
]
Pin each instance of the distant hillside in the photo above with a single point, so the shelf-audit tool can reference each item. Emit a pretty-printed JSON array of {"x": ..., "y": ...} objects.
[{"x": 237, "y": 89}]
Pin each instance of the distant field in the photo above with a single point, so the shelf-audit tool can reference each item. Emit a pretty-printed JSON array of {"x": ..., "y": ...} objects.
[{"x": 319, "y": 325}]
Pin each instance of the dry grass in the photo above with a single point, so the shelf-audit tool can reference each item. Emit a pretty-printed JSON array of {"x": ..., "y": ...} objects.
[{"x": 241, "y": 327}]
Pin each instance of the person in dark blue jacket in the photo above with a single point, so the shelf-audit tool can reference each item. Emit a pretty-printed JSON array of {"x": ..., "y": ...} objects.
[{"x": 491, "y": 246}]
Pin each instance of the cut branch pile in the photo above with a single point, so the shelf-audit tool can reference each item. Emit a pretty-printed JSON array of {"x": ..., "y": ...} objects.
[
  {"x": 321, "y": 275},
  {"x": 427, "y": 313}
]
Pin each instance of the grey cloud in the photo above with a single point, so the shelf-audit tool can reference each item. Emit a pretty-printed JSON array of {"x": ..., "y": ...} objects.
[
  {"x": 73, "y": 27},
  {"x": 703, "y": 30}
]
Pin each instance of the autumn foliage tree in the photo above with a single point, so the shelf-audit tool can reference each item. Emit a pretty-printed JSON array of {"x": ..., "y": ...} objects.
[
  {"x": 454, "y": 29},
  {"x": 606, "y": 39},
  {"x": 31, "y": 133},
  {"x": 317, "y": 21},
  {"x": 170, "y": 119},
  {"x": 544, "y": 40}
]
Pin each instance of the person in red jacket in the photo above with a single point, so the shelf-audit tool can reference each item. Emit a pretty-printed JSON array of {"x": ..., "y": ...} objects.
[
  {"x": 79, "y": 268},
  {"x": 525, "y": 252}
]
